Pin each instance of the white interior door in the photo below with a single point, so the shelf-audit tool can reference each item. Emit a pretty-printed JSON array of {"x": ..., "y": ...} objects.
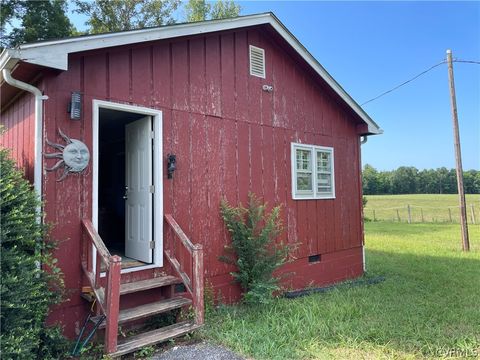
[{"x": 138, "y": 194}]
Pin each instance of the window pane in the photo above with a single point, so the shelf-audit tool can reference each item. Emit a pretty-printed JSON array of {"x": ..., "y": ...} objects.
[
  {"x": 324, "y": 162},
  {"x": 324, "y": 183},
  {"x": 304, "y": 182},
  {"x": 304, "y": 159}
]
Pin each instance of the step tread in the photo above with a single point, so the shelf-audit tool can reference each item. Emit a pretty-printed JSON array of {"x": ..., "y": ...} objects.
[
  {"x": 153, "y": 308},
  {"x": 153, "y": 337},
  {"x": 148, "y": 284}
]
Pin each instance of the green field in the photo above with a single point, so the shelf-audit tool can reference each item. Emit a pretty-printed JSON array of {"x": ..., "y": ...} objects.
[
  {"x": 423, "y": 207},
  {"x": 428, "y": 306}
]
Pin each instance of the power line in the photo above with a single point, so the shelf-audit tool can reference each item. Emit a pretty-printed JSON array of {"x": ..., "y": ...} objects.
[
  {"x": 467, "y": 61},
  {"x": 405, "y": 82},
  {"x": 417, "y": 76}
]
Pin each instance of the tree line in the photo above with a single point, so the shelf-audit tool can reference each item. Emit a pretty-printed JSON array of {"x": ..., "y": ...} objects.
[
  {"x": 410, "y": 180},
  {"x": 23, "y": 21}
]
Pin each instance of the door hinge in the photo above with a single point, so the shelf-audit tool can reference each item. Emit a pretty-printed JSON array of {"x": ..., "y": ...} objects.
[
  {"x": 152, "y": 189},
  {"x": 152, "y": 134},
  {"x": 152, "y": 245}
]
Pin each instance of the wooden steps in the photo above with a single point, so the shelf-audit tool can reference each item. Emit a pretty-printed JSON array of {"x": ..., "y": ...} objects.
[
  {"x": 137, "y": 286},
  {"x": 153, "y": 337},
  {"x": 148, "y": 284},
  {"x": 147, "y": 310}
]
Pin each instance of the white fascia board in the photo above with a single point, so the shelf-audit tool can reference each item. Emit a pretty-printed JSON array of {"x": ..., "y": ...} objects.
[
  {"x": 8, "y": 60},
  {"x": 54, "y": 54}
]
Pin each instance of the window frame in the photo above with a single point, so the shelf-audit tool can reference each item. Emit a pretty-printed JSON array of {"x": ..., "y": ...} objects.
[{"x": 313, "y": 194}]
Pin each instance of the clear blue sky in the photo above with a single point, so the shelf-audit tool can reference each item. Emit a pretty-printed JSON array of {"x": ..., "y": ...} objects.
[{"x": 370, "y": 47}]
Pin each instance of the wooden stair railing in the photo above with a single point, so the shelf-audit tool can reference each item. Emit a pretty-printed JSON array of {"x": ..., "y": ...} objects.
[
  {"x": 108, "y": 298},
  {"x": 188, "y": 266}
]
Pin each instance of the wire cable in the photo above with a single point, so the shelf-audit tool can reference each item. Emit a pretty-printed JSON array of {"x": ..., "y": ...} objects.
[
  {"x": 404, "y": 83},
  {"x": 417, "y": 76},
  {"x": 466, "y": 61}
]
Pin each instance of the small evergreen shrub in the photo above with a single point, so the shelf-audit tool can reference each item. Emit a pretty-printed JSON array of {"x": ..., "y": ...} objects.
[
  {"x": 26, "y": 290},
  {"x": 253, "y": 249}
]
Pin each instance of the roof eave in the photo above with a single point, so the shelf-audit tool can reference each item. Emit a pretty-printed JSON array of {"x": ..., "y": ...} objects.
[
  {"x": 58, "y": 50},
  {"x": 8, "y": 60}
]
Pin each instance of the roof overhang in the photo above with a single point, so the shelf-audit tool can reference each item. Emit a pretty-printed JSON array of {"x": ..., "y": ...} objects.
[{"x": 54, "y": 54}]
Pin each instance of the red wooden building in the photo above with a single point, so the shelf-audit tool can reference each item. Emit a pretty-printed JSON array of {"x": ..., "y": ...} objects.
[{"x": 242, "y": 106}]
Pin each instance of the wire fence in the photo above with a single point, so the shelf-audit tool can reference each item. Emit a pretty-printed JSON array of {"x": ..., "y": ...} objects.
[{"x": 421, "y": 214}]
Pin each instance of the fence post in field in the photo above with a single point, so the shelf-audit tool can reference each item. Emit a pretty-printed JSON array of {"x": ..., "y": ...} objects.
[
  {"x": 472, "y": 209},
  {"x": 421, "y": 212},
  {"x": 398, "y": 216},
  {"x": 409, "y": 214},
  {"x": 450, "y": 214},
  {"x": 375, "y": 219}
]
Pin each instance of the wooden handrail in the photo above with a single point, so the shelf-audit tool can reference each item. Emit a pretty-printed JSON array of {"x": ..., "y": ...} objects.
[
  {"x": 97, "y": 241},
  {"x": 108, "y": 299},
  {"x": 180, "y": 234},
  {"x": 195, "y": 284}
]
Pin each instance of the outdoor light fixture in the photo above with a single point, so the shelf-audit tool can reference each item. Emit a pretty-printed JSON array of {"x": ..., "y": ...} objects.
[
  {"x": 75, "y": 106},
  {"x": 267, "y": 88},
  {"x": 171, "y": 165}
]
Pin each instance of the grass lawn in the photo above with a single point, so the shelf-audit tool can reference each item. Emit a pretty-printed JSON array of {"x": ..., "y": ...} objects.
[
  {"x": 427, "y": 307},
  {"x": 433, "y": 206}
]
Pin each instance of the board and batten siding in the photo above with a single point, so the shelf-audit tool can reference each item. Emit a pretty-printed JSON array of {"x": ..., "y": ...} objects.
[
  {"x": 230, "y": 138},
  {"x": 18, "y": 127}
]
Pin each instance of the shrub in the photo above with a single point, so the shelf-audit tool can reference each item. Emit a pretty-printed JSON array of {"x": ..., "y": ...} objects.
[
  {"x": 253, "y": 249},
  {"x": 26, "y": 290}
]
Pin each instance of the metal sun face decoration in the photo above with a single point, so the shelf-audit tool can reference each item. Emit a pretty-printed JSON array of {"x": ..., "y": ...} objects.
[{"x": 74, "y": 156}]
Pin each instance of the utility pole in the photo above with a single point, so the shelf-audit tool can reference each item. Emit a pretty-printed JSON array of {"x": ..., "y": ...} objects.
[{"x": 458, "y": 156}]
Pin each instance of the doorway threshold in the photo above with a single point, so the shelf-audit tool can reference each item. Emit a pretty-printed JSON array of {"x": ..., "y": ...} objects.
[{"x": 127, "y": 263}]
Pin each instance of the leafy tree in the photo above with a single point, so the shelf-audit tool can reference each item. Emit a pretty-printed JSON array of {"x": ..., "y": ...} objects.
[
  {"x": 370, "y": 180},
  {"x": 197, "y": 10},
  {"x": 119, "y": 15},
  {"x": 225, "y": 9},
  {"x": 27, "y": 290},
  {"x": 404, "y": 180},
  {"x": 8, "y": 9},
  {"x": 408, "y": 180},
  {"x": 200, "y": 10},
  {"x": 40, "y": 20}
]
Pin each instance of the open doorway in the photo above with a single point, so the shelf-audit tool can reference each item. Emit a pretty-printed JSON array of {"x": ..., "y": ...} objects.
[{"x": 126, "y": 177}]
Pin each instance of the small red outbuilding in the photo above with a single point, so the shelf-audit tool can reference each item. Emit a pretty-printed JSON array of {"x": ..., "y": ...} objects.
[{"x": 133, "y": 138}]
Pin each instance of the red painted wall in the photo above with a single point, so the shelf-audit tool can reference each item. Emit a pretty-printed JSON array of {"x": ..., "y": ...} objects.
[
  {"x": 230, "y": 137},
  {"x": 18, "y": 121}
]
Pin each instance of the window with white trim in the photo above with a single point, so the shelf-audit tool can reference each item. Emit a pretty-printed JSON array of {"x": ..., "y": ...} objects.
[{"x": 313, "y": 175}]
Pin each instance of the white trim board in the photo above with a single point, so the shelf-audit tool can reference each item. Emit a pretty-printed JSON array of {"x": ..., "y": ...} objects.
[
  {"x": 157, "y": 173},
  {"x": 55, "y": 53}
]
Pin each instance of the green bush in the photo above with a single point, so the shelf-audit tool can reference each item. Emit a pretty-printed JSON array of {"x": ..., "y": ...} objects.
[
  {"x": 364, "y": 201},
  {"x": 253, "y": 249},
  {"x": 26, "y": 290}
]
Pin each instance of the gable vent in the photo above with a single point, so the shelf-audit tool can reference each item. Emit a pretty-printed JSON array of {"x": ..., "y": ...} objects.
[{"x": 257, "y": 61}]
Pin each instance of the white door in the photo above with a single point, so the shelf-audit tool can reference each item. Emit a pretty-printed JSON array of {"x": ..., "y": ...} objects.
[{"x": 138, "y": 194}]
